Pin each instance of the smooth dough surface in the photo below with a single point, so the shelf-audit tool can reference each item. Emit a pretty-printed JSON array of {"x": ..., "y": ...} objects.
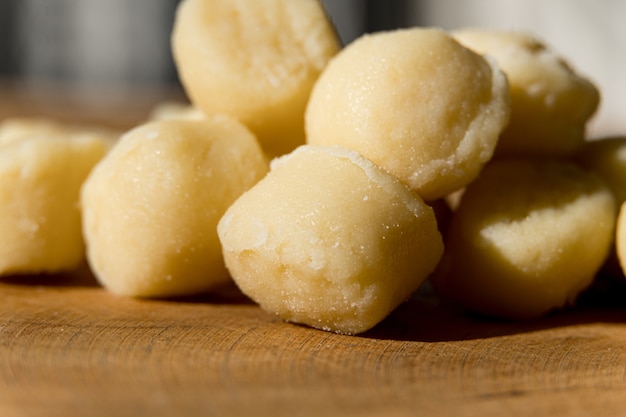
[
  {"x": 42, "y": 167},
  {"x": 171, "y": 110},
  {"x": 550, "y": 102},
  {"x": 607, "y": 158},
  {"x": 415, "y": 102},
  {"x": 527, "y": 238},
  {"x": 329, "y": 240},
  {"x": 255, "y": 60},
  {"x": 620, "y": 239},
  {"x": 151, "y": 206}
]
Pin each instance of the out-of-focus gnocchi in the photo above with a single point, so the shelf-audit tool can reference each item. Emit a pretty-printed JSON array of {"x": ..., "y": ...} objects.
[{"x": 42, "y": 167}]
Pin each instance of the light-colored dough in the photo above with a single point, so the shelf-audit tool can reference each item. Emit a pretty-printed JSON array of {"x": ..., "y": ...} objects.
[
  {"x": 527, "y": 238},
  {"x": 415, "y": 102},
  {"x": 42, "y": 168},
  {"x": 18, "y": 128},
  {"x": 550, "y": 102},
  {"x": 607, "y": 158},
  {"x": 256, "y": 60},
  {"x": 620, "y": 238},
  {"x": 176, "y": 111},
  {"x": 151, "y": 206},
  {"x": 329, "y": 240}
]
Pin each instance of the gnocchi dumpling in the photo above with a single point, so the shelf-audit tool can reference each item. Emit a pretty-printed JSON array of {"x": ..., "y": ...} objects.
[
  {"x": 255, "y": 60},
  {"x": 151, "y": 206},
  {"x": 415, "y": 102},
  {"x": 330, "y": 240},
  {"x": 527, "y": 238},
  {"x": 42, "y": 167}
]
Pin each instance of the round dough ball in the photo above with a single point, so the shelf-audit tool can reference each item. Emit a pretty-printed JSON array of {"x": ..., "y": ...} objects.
[
  {"x": 41, "y": 172},
  {"x": 527, "y": 238},
  {"x": 620, "y": 238},
  {"x": 256, "y": 60},
  {"x": 550, "y": 102},
  {"x": 151, "y": 206},
  {"x": 329, "y": 240},
  {"x": 607, "y": 158},
  {"x": 175, "y": 111},
  {"x": 18, "y": 128},
  {"x": 415, "y": 102},
  {"x": 14, "y": 129}
]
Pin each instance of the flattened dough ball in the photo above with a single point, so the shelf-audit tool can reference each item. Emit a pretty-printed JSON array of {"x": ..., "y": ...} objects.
[
  {"x": 415, "y": 102},
  {"x": 329, "y": 240},
  {"x": 256, "y": 60},
  {"x": 550, "y": 102},
  {"x": 527, "y": 238},
  {"x": 151, "y": 206},
  {"x": 41, "y": 172}
]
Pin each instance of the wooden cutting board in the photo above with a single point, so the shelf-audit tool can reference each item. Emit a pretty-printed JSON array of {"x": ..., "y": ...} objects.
[{"x": 69, "y": 348}]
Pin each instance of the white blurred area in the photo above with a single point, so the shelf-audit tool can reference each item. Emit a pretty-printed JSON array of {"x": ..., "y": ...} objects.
[
  {"x": 589, "y": 34},
  {"x": 94, "y": 41},
  {"x": 86, "y": 44}
]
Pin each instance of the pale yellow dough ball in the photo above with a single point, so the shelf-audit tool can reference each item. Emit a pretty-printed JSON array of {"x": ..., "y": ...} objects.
[
  {"x": 256, "y": 60},
  {"x": 329, "y": 240},
  {"x": 550, "y": 102},
  {"x": 527, "y": 238},
  {"x": 42, "y": 168},
  {"x": 415, "y": 102},
  {"x": 607, "y": 157},
  {"x": 620, "y": 238},
  {"x": 18, "y": 128},
  {"x": 151, "y": 206},
  {"x": 172, "y": 110}
]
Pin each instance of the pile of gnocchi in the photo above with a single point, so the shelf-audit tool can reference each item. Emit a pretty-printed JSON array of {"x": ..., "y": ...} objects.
[{"x": 330, "y": 182}]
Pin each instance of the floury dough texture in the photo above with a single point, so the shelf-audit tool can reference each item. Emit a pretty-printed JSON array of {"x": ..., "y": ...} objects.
[
  {"x": 415, "y": 102},
  {"x": 42, "y": 167},
  {"x": 255, "y": 60},
  {"x": 550, "y": 102},
  {"x": 330, "y": 240},
  {"x": 527, "y": 238},
  {"x": 151, "y": 206}
]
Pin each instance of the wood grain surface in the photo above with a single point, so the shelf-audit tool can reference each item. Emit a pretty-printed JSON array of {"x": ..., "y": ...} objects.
[{"x": 70, "y": 348}]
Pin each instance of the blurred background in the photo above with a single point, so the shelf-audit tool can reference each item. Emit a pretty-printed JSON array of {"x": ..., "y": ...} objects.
[{"x": 99, "y": 54}]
